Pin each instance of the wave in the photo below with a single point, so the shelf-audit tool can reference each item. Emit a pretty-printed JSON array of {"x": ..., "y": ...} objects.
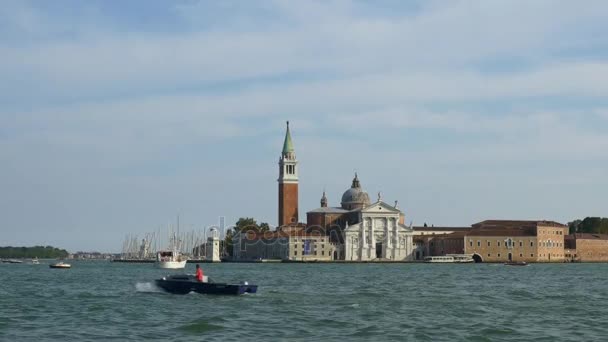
[{"x": 147, "y": 287}]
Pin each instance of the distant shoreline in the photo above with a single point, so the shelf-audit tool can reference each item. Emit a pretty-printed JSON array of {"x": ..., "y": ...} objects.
[{"x": 275, "y": 261}]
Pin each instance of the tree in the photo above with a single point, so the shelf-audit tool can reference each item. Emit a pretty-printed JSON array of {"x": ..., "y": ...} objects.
[
  {"x": 244, "y": 224},
  {"x": 574, "y": 226},
  {"x": 32, "y": 252},
  {"x": 592, "y": 225},
  {"x": 264, "y": 227}
]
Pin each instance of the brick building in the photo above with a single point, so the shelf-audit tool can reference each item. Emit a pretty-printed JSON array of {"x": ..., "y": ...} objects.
[
  {"x": 530, "y": 241},
  {"x": 438, "y": 241},
  {"x": 586, "y": 247}
]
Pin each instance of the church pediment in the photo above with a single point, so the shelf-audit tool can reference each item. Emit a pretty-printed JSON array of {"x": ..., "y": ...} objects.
[{"x": 379, "y": 208}]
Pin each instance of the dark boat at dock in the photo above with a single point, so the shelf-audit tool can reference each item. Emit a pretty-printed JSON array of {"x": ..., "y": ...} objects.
[{"x": 186, "y": 283}]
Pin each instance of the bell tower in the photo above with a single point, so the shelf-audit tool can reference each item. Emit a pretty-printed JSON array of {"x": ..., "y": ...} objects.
[{"x": 288, "y": 183}]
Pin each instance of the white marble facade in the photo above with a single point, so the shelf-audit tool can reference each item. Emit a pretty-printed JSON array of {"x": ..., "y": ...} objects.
[{"x": 378, "y": 235}]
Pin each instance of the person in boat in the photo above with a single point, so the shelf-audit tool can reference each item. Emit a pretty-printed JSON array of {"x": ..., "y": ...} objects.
[{"x": 199, "y": 273}]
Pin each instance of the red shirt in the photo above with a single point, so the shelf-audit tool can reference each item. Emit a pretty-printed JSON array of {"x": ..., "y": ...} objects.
[{"x": 199, "y": 274}]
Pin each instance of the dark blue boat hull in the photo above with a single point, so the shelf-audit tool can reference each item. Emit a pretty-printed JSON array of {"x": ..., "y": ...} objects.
[{"x": 186, "y": 284}]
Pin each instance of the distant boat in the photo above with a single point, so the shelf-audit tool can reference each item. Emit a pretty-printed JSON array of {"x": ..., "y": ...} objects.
[
  {"x": 170, "y": 260},
  {"x": 516, "y": 263},
  {"x": 35, "y": 261},
  {"x": 60, "y": 264},
  {"x": 450, "y": 258},
  {"x": 14, "y": 261}
]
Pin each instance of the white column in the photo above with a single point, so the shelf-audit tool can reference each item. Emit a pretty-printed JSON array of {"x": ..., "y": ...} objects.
[
  {"x": 372, "y": 241},
  {"x": 396, "y": 237},
  {"x": 362, "y": 241}
]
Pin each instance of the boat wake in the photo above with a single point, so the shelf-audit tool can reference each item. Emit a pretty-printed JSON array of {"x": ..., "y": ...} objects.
[{"x": 147, "y": 287}]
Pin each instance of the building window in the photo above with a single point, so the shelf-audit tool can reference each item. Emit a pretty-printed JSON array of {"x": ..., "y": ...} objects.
[
  {"x": 322, "y": 252},
  {"x": 295, "y": 252},
  {"x": 488, "y": 244},
  {"x": 498, "y": 243},
  {"x": 521, "y": 255},
  {"x": 532, "y": 255},
  {"x": 471, "y": 243},
  {"x": 489, "y": 255},
  {"x": 521, "y": 244},
  {"x": 478, "y": 243},
  {"x": 499, "y": 255},
  {"x": 531, "y": 243}
]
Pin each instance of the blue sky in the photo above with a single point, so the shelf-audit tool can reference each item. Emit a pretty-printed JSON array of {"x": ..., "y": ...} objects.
[{"x": 116, "y": 116}]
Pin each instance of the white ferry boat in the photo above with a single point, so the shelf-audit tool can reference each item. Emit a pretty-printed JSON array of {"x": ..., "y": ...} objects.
[{"x": 450, "y": 258}]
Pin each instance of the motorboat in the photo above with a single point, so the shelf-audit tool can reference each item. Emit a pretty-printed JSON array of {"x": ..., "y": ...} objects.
[
  {"x": 14, "y": 261},
  {"x": 60, "y": 264},
  {"x": 186, "y": 283},
  {"x": 35, "y": 261},
  {"x": 516, "y": 263},
  {"x": 170, "y": 260}
]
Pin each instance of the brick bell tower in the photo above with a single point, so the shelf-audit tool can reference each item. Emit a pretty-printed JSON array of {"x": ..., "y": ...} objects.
[{"x": 288, "y": 183}]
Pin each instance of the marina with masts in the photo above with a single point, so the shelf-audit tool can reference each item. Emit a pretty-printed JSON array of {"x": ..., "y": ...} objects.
[{"x": 193, "y": 245}]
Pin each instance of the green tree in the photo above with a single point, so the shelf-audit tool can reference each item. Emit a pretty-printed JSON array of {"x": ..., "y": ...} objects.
[
  {"x": 264, "y": 227},
  {"x": 32, "y": 252},
  {"x": 573, "y": 226},
  {"x": 593, "y": 225},
  {"x": 244, "y": 224}
]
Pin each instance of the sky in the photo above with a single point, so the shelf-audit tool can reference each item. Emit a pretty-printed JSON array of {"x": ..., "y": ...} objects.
[{"x": 118, "y": 116}]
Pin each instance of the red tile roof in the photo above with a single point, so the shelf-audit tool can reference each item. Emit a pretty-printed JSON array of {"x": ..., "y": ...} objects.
[
  {"x": 439, "y": 229},
  {"x": 587, "y": 236},
  {"x": 517, "y": 223}
]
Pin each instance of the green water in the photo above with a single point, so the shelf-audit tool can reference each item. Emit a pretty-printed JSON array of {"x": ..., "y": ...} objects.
[{"x": 99, "y": 300}]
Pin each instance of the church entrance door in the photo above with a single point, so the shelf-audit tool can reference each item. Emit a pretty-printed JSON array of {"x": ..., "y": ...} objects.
[{"x": 378, "y": 250}]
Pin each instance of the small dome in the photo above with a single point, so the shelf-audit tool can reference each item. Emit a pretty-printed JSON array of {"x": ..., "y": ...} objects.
[{"x": 355, "y": 197}]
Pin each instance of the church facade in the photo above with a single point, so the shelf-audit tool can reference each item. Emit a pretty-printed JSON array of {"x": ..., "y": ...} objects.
[{"x": 361, "y": 230}]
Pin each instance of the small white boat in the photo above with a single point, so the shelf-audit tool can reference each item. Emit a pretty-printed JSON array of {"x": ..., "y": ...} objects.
[
  {"x": 170, "y": 260},
  {"x": 450, "y": 258},
  {"x": 60, "y": 264},
  {"x": 35, "y": 261}
]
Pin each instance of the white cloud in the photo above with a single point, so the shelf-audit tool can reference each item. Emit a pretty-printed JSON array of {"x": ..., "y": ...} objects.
[{"x": 437, "y": 107}]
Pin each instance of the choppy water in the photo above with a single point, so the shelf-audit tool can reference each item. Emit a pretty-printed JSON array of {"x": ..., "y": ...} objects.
[{"x": 416, "y": 302}]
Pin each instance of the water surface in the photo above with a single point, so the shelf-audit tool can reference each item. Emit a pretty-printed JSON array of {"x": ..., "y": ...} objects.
[{"x": 99, "y": 300}]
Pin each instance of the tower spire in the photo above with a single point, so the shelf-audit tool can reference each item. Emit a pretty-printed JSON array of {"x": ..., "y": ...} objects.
[
  {"x": 288, "y": 182},
  {"x": 288, "y": 144}
]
